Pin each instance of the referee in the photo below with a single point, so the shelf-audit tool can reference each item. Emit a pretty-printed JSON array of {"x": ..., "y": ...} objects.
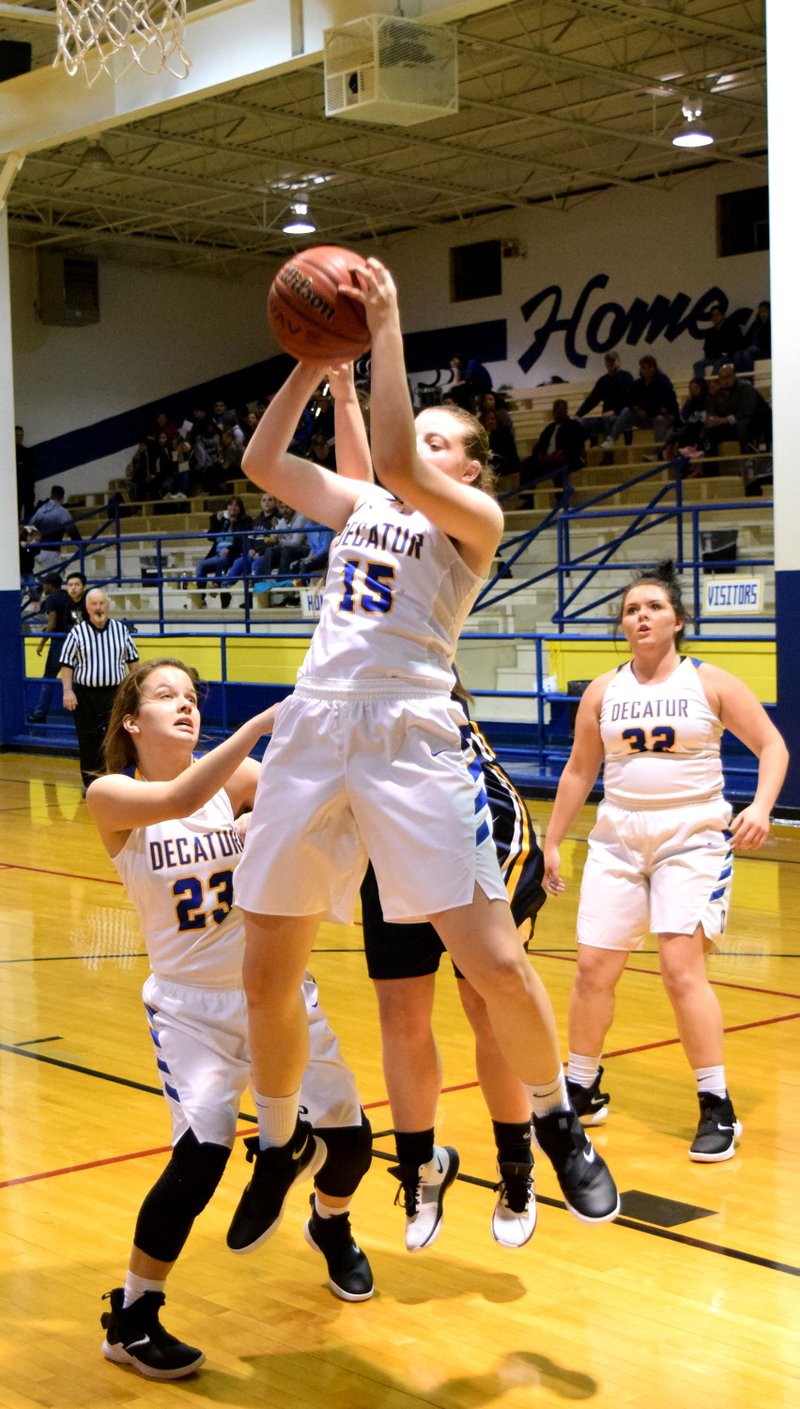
[{"x": 95, "y": 658}]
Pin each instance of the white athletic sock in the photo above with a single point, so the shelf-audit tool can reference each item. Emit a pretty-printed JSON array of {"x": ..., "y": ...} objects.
[
  {"x": 583, "y": 1070},
  {"x": 322, "y": 1210},
  {"x": 135, "y": 1287},
  {"x": 711, "y": 1079},
  {"x": 549, "y": 1096},
  {"x": 277, "y": 1118}
]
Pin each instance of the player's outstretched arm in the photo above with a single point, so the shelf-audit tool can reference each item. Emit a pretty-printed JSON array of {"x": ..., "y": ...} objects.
[
  {"x": 119, "y": 803},
  {"x": 467, "y": 515},
  {"x": 310, "y": 489},
  {"x": 353, "y": 458},
  {"x": 576, "y": 781}
]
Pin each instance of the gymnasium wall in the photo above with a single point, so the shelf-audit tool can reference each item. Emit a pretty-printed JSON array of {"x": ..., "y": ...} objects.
[{"x": 636, "y": 263}]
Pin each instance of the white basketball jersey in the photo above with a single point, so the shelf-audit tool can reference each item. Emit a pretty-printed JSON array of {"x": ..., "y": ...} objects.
[
  {"x": 661, "y": 741},
  {"x": 368, "y": 627},
  {"x": 179, "y": 877}
]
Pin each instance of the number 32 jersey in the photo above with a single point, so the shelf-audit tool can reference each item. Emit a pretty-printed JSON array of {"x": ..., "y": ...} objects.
[
  {"x": 661, "y": 741},
  {"x": 397, "y": 593},
  {"x": 179, "y": 877}
]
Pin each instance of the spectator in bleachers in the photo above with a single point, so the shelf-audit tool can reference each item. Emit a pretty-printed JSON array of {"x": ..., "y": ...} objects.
[
  {"x": 687, "y": 435},
  {"x": 55, "y": 523},
  {"x": 502, "y": 442},
  {"x": 228, "y": 527},
  {"x": 470, "y": 381},
  {"x": 29, "y": 540},
  {"x": 558, "y": 452},
  {"x": 757, "y": 340},
  {"x": 737, "y": 411},
  {"x": 652, "y": 404},
  {"x": 315, "y": 561},
  {"x": 218, "y": 414},
  {"x": 165, "y": 424},
  {"x": 181, "y": 455},
  {"x": 610, "y": 392},
  {"x": 274, "y": 565},
  {"x": 206, "y": 457},
  {"x": 230, "y": 422},
  {"x": 260, "y": 538},
  {"x": 232, "y": 452},
  {"x": 59, "y": 621},
  {"x": 322, "y": 450},
  {"x": 76, "y": 591},
  {"x": 145, "y": 471},
  {"x": 723, "y": 340},
  {"x": 249, "y": 426}
]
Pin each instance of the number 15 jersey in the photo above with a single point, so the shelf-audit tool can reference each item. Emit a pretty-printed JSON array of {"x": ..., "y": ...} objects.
[
  {"x": 179, "y": 877},
  {"x": 661, "y": 741}
]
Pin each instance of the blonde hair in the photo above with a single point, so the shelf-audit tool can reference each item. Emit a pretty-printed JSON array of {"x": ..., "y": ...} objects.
[
  {"x": 119, "y": 749},
  {"x": 475, "y": 440}
]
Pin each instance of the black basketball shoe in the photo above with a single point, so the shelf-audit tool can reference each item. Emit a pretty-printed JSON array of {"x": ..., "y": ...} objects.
[
  {"x": 349, "y": 1273},
  {"x": 135, "y": 1336},
  {"x": 717, "y": 1132},
  {"x": 586, "y": 1183},
  {"x": 589, "y": 1103},
  {"x": 261, "y": 1206},
  {"x": 422, "y": 1190}
]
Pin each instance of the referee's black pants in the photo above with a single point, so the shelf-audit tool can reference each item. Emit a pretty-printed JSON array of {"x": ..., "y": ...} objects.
[{"x": 91, "y": 721}]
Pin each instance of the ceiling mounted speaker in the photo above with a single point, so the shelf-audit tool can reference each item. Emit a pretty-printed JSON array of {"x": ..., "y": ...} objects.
[{"x": 387, "y": 69}]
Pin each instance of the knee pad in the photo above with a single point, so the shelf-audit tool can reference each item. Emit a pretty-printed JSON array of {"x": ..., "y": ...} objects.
[
  {"x": 178, "y": 1195},
  {"x": 349, "y": 1157}
]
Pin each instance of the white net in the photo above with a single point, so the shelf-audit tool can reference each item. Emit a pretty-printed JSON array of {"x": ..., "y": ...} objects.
[{"x": 91, "y": 33}]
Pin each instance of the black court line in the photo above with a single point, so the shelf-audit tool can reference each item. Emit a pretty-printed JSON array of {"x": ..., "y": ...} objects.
[
  {"x": 77, "y": 958},
  {"x": 638, "y": 1227},
  {"x": 37, "y": 1041}
]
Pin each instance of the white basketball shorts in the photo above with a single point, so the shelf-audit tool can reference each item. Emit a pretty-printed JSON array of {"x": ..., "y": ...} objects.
[
  {"x": 200, "y": 1037},
  {"x": 351, "y": 775},
  {"x": 656, "y": 871}
]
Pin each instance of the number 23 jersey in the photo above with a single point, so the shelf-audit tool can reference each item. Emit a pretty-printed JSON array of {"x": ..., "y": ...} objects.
[
  {"x": 179, "y": 878},
  {"x": 661, "y": 741}
]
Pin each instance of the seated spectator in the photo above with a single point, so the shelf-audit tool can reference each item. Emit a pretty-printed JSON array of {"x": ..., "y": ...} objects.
[
  {"x": 322, "y": 450},
  {"x": 558, "y": 451},
  {"x": 230, "y": 422},
  {"x": 723, "y": 340},
  {"x": 228, "y": 528},
  {"x": 206, "y": 458},
  {"x": 148, "y": 470},
  {"x": 54, "y": 522},
  {"x": 502, "y": 442},
  {"x": 26, "y": 476},
  {"x": 274, "y": 565},
  {"x": 470, "y": 381},
  {"x": 737, "y": 411},
  {"x": 688, "y": 431},
  {"x": 652, "y": 404},
  {"x": 249, "y": 426},
  {"x": 315, "y": 561},
  {"x": 757, "y": 340},
  {"x": 260, "y": 538},
  {"x": 164, "y": 425},
  {"x": 495, "y": 401},
  {"x": 610, "y": 392},
  {"x": 232, "y": 452}
]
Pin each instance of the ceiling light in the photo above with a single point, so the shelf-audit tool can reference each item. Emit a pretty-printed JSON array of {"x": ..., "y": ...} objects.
[
  {"x": 693, "y": 132},
  {"x": 299, "y": 221},
  {"x": 97, "y": 157}
]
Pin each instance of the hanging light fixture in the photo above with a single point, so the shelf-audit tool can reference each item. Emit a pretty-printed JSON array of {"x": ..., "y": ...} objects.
[
  {"x": 299, "y": 222},
  {"x": 693, "y": 132},
  {"x": 96, "y": 157}
]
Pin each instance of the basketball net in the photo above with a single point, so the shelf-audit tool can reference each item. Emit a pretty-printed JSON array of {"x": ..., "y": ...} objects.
[{"x": 91, "y": 33}]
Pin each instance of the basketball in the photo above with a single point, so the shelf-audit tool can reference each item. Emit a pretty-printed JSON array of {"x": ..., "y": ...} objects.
[{"x": 308, "y": 315}]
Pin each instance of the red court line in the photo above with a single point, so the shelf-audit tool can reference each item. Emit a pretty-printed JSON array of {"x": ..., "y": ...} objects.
[
  {"x": 70, "y": 875},
  {"x": 654, "y": 973},
  {"x": 368, "y": 1106}
]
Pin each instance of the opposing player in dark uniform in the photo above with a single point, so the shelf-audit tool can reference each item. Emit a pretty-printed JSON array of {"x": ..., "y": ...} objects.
[{"x": 402, "y": 961}]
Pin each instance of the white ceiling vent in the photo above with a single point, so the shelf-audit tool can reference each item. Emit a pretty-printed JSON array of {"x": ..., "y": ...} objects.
[{"x": 383, "y": 68}]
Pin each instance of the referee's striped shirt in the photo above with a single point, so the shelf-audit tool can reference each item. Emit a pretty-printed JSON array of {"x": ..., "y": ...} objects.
[{"x": 98, "y": 658}]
